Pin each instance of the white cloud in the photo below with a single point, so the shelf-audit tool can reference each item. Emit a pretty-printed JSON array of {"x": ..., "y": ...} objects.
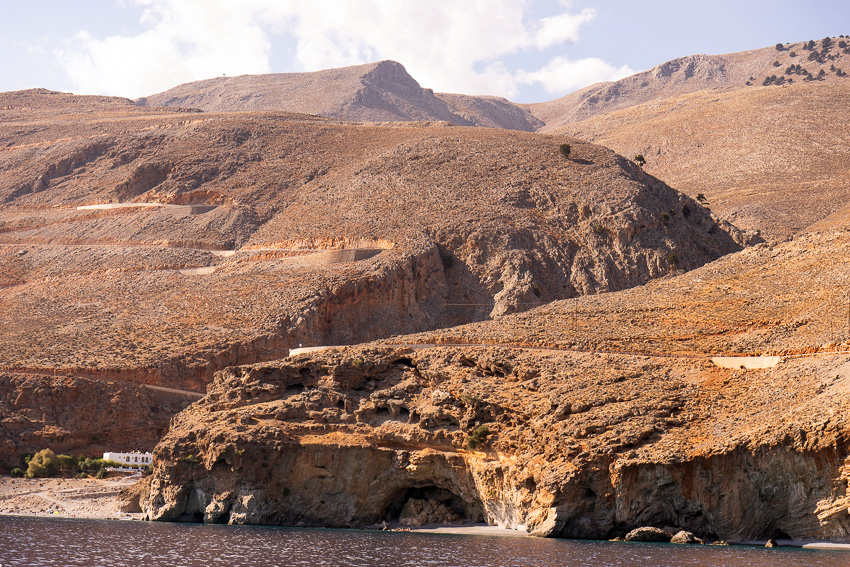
[
  {"x": 561, "y": 75},
  {"x": 447, "y": 45},
  {"x": 562, "y": 28},
  {"x": 187, "y": 40}
]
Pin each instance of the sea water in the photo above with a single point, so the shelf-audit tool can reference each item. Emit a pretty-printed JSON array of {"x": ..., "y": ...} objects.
[{"x": 46, "y": 542}]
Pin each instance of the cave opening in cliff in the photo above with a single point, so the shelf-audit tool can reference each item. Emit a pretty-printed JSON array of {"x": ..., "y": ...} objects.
[{"x": 418, "y": 506}]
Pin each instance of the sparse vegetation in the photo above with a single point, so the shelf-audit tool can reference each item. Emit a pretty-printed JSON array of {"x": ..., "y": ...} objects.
[
  {"x": 46, "y": 463},
  {"x": 565, "y": 150},
  {"x": 470, "y": 400},
  {"x": 779, "y": 47},
  {"x": 701, "y": 198},
  {"x": 640, "y": 160},
  {"x": 665, "y": 217},
  {"x": 191, "y": 459},
  {"x": 673, "y": 259},
  {"x": 478, "y": 437}
]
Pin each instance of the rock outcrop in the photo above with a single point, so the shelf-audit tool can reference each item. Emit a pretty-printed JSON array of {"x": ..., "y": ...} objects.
[
  {"x": 587, "y": 418},
  {"x": 358, "y": 437},
  {"x": 78, "y": 415},
  {"x": 648, "y": 534}
]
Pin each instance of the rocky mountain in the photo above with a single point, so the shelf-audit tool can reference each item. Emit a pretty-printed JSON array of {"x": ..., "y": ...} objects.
[
  {"x": 745, "y": 129},
  {"x": 562, "y": 344},
  {"x": 156, "y": 247},
  {"x": 584, "y": 418},
  {"x": 694, "y": 73},
  {"x": 768, "y": 157},
  {"x": 376, "y": 92}
]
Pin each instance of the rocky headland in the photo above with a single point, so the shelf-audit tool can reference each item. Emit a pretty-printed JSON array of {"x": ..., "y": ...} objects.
[
  {"x": 585, "y": 418},
  {"x": 531, "y": 332}
]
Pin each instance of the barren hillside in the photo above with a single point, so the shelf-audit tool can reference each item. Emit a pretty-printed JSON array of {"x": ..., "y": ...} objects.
[
  {"x": 584, "y": 418},
  {"x": 759, "y": 133},
  {"x": 157, "y": 247},
  {"x": 376, "y": 92},
  {"x": 771, "y": 157},
  {"x": 695, "y": 73}
]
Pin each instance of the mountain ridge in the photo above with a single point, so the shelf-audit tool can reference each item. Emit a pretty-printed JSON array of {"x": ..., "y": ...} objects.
[{"x": 373, "y": 92}]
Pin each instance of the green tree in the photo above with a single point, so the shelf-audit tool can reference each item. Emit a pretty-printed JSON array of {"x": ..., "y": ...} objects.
[
  {"x": 44, "y": 463},
  {"x": 565, "y": 150}
]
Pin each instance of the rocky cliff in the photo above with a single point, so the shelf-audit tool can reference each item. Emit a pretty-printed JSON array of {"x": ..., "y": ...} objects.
[
  {"x": 575, "y": 446},
  {"x": 584, "y": 418},
  {"x": 157, "y": 247},
  {"x": 79, "y": 415}
]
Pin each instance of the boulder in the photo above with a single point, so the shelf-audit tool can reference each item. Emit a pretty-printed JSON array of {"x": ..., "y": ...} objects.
[
  {"x": 683, "y": 536},
  {"x": 418, "y": 512},
  {"x": 128, "y": 498},
  {"x": 648, "y": 534}
]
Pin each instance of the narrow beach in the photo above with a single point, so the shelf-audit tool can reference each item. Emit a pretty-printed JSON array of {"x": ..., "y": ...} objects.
[{"x": 64, "y": 497}]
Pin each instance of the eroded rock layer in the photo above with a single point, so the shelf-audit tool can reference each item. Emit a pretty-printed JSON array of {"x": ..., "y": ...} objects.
[
  {"x": 157, "y": 246},
  {"x": 578, "y": 445},
  {"x": 584, "y": 418}
]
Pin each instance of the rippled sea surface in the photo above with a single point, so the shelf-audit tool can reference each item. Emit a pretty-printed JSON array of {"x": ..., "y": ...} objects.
[{"x": 47, "y": 541}]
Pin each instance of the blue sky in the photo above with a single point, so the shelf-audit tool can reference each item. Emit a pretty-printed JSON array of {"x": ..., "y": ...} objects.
[{"x": 524, "y": 50}]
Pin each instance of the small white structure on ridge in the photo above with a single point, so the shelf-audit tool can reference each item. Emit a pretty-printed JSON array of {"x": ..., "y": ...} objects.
[{"x": 140, "y": 459}]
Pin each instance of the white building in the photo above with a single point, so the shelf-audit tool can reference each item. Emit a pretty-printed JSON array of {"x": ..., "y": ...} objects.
[{"x": 140, "y": 459}]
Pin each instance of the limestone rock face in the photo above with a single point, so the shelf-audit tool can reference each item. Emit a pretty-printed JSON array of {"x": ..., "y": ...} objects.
[
  {"x": 78, "y": 415},
  {"x": 359, "y": 436}
]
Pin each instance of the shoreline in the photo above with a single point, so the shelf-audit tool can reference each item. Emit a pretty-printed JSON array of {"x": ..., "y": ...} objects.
[
  {"x": 64, "y": 498},
  {"x": 92, "y": 499}
]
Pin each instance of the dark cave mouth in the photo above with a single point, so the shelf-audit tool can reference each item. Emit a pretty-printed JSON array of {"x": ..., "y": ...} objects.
[{"x": 425, "y": 505}]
